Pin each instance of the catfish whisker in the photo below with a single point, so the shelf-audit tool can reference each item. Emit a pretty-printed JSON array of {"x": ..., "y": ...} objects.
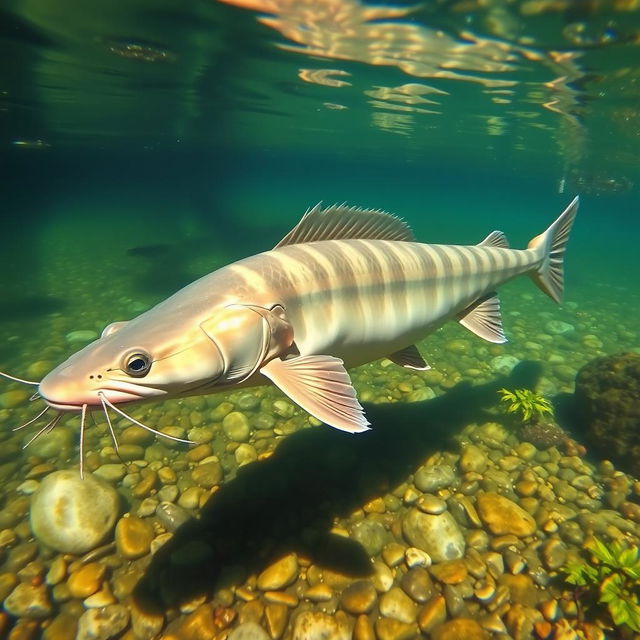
[
  {"x": 83, "y": 416},
  {"x": 47, "y": 427},
  {"x": 26, "y": 424},
  {"x": 140, "y": 424},
  {"x": 106, "y": 415},
  {"x": 35, "y": 396},
  {"x": 6, "y": 375}
]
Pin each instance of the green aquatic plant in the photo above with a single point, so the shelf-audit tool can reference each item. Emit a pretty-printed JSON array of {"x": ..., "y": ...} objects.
[
  {"x": 611, "y": 578},
  {"x": 529, "y": 405}
]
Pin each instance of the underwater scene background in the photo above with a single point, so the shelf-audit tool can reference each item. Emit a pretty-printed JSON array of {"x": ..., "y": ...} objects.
[{"x": 147, "y": 143}]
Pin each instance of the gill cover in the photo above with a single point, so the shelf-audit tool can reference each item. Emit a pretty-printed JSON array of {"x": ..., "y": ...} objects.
[{"x": 248, "y": 337}]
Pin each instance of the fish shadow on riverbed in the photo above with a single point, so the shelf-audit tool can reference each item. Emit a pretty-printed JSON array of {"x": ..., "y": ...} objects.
[{"x": 288, "y": 502}]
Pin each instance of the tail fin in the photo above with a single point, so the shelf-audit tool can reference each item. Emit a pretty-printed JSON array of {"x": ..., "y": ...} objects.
[{"x": 550, "y": 274}]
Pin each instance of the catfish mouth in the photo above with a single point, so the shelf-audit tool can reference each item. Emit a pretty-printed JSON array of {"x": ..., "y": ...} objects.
[{"x": 51, "y": 389}]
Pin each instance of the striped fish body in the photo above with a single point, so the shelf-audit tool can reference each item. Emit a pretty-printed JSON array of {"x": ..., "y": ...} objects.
[
  {"x": 344, "y": 287},
  {"x": 361, "y": 300}
]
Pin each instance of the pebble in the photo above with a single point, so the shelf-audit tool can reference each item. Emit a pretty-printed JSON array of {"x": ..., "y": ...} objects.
[
  {"x": 371, "y": 534},
  {"x": 190, "y": 498},
  {"x": 503, "y": 516},
  {"x": 391, "y": 629},
  {"x": 196, "y": 454},
  {"x": 111, "y": 472},
  {"x": 417, "y": 584},
  {"x": 57, "y": 571},
  {"x": 245, "y": 453},
  {"x": 473, "y": 459},
  {"x": 133, "y": 537},
  {"x": 103, "y": 623},
  {"x": 86, "y": 580},
  {"x": 398, "y": 605},
  {"x": 433, "y": 614},
  {"x": 171, "y": 516},
  {"x": 315, "y": 625},
  {"x": 503, "y": 365},
  {"x": 431, "y": 504},
  {"x": 73, "y": 515},
  {"x": 236, "y": 426},
  {"x": 29, "y": 601},
  {"x": 451, "y": 572},
  {"x": 431, "y": 478},
  {"x": 207, "y": 475},
  {"x": 437, "y": 535},
  {"x": 359, "y": 597},
  {"x": 279, "y": 574},
  {"x": 320, "y": 592},
  {"x": 416, "y": 558},
  {"x": 28, "y": 487}
]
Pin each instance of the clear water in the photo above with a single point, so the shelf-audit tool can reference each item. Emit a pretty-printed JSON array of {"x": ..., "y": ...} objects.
[{"x": 147, "y": 143}]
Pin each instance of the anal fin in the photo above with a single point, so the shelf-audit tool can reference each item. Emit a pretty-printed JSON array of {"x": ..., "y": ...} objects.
[
  {"x": 483, "y": 318},
  {"x": 322, "y": 387},
  {"x": 410, "y": 358}
]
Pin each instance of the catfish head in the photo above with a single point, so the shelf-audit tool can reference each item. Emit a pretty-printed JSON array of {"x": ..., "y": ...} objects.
[
  {"x": 142, "y": 359},
  {"x": 164, "y": 355}
]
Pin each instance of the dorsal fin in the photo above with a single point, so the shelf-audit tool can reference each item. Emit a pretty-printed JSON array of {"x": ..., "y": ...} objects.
[
  {"x": 339, "y": 222},
  {"x": 495, "y": 239}
]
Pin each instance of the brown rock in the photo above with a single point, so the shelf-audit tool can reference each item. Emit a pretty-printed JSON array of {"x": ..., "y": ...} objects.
[
  {"x": 522, "y": 589},
  {"x": 86, "y": 580},
  {"x": 520, "y": 621},
  {"x": 133, "y": 537},
  {"x": 417, "y": 584},
  {"x": 398, "y": 605},
  {"x": 460, "y": 629},
  {"x": 452, "y": 572},
  {"x": 146, "y": 484},
  {"x": 198, "y": 625},
  {"x": 503, "y": 516},
  {"x": 198, "y": 453},
  {"x": 433, "y": 613},
  {"x": 207, "y": 475},
  {"x": 276, "y": 617},
  {"x": 63, "y": 627},
  {"x": 359, "y": 597},
  {"x": 362, "y": 630},
  {"x": 390, "y": 629},
  {"x": 280, "y": 574}
]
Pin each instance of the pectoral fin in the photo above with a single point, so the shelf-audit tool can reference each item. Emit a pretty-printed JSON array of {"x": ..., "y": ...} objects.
[
  {"x": 410, "y": 358},
  {"x": 322, "y": 387},
  {"x": 483, "y": 318}
]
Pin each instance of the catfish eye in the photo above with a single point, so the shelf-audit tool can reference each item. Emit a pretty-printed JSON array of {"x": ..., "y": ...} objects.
[{"x": 137, "y": 364}]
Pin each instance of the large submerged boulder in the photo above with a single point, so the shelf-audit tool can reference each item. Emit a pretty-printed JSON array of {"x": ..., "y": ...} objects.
[
  {"x": 71, "y": 514},
  {"x": 607, "y": 400}
]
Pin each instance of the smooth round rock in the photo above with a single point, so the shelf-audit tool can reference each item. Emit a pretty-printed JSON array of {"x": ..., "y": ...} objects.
[
  {"x": 236, "y": 426},
  {"x": 71, "y": 514},
  {"x": 503, "y": 516},
  {"x": 86, "y": 580},
  {"x": 133, "y": 537},
  {"x": 207, "y": 475},
  {"x": 315, "y": 625},
  {"x": 429, "y": 479},
  {"x": 359, "y": 597},
  {"x": 103, "y": 623},
  {"x": 279, "y": 574},
  {"x": 371, "y": 534},
  {"x": 438, "y": 535},
  {"x": 28, "y": 601}
]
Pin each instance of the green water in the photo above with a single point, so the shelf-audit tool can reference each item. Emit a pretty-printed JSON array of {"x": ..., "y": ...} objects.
[{"x": 145, "y": 144}]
